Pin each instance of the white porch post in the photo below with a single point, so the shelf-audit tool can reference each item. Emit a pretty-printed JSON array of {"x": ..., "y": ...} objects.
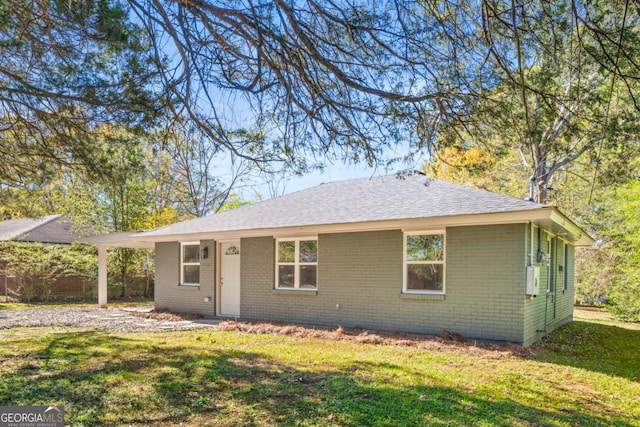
[{"x": 102, "y": 276}]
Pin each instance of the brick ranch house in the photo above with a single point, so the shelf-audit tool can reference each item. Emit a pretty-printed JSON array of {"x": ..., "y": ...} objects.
[{"x": 397, "y": 252}]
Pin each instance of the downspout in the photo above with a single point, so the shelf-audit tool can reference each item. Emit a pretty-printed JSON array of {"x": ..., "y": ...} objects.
[
  {"x": 531, "y": 261},
  {"x": 531, "y": 244},
  {"x": 546, "y": 309},
  {"x": 532, "y": 187},
  {"x": 546, "y": 298}
]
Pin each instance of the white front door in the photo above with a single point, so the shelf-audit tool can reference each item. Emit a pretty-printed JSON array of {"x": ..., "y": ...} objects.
[{"x": 230, "y": 279}]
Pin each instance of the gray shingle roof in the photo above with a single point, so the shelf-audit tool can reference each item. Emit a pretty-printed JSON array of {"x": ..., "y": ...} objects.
[
  {"x": 13, "y": 228},
  {"x": 46, "y": 229},
  {"x": 379, "y": 198}
]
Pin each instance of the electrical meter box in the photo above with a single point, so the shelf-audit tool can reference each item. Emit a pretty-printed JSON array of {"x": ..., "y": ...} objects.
[{"x": 533, "y": 280}]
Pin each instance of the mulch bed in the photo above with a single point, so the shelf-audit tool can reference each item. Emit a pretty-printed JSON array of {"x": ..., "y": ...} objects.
[{"x": 447, "y": 341}]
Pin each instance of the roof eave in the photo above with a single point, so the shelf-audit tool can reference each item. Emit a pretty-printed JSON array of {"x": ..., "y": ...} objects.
[
  {"x": 119, "y": 240},
  {"x": 549, "y": 217},
  {"x": 577, "y": 235},
  {"x": 406, "y": 224}
]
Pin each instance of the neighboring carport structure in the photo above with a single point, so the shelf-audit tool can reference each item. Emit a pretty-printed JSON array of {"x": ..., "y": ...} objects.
[
  {"x": 48, "y": 230},
  {"x": 125, "y": 239}
]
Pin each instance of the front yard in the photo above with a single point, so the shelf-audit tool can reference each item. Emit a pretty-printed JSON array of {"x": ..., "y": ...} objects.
[{"x": 587, "y": 374}]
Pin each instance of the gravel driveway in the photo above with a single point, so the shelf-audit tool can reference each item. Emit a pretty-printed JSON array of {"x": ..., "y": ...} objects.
[{"x": 113, "y": 319}]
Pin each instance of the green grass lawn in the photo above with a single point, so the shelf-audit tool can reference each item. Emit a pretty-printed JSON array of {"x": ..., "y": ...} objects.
[{"x": 587, "y": 374}]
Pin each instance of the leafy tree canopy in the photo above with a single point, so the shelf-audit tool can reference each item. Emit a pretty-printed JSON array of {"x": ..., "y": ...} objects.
[
  {"x": 301, "y": 81},
  {"x": 65, "y": 68},
  {"x": 352, "y": 79}
]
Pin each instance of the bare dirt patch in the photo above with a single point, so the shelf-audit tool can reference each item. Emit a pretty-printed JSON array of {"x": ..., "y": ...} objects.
[{"x": 595, "y": 313}]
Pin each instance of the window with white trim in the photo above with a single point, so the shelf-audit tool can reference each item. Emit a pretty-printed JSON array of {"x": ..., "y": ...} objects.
[
  {"x": 424, "y": 262},
  {"x": 297, "y": 263},
  {"x": 190, "y": 263}
]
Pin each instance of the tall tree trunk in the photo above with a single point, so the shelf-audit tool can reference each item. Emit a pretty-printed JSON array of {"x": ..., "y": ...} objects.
[{"x": 540, "y": 173}]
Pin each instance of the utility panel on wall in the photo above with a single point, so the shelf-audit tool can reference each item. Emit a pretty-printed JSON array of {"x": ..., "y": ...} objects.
[{"x": 533, "y": 280}]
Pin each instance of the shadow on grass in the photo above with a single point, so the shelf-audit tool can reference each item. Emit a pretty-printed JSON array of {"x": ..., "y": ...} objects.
[
  {"x": 107, "y": 380},
  {"x": 607, "y": 349}
]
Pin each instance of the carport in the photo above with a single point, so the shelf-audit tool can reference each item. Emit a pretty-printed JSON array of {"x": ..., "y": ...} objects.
[{"x": 125, "y": 239}]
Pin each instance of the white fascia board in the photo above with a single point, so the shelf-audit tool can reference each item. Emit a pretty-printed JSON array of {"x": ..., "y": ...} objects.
[
  {"x": 118, "y": 240},
  {"x": 184, "y": 237},
  {"x": 580, "y": 237},
  {"x": 548, "y": 216}
]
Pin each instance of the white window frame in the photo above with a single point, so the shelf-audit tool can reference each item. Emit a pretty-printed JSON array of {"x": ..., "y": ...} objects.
[
  {"x": 405, "y": 262},
  {"x": 296, "y": 263},
  {"x": 183, "y": 264}
]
